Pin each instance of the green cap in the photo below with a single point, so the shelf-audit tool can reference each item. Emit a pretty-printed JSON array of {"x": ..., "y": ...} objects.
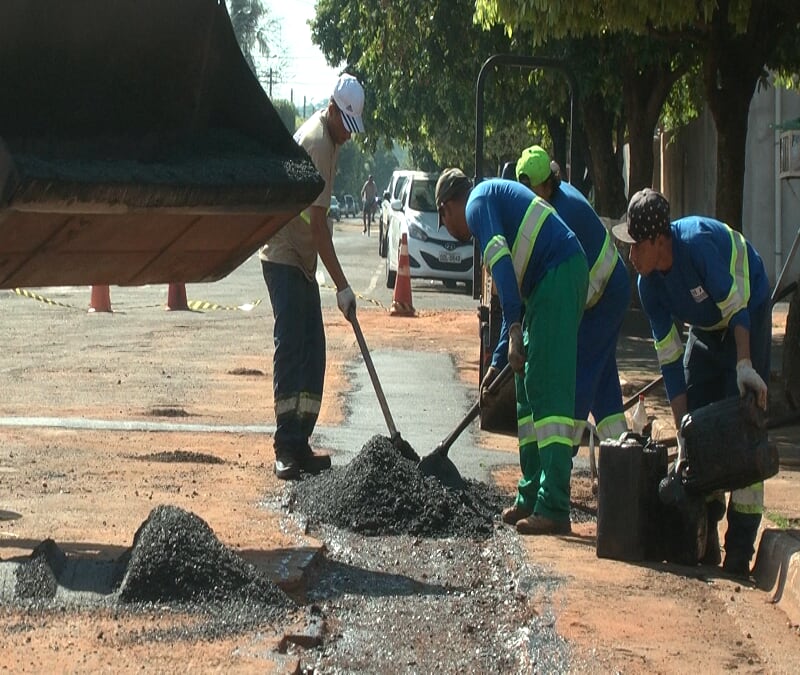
[{"x": 535, "y": 164}]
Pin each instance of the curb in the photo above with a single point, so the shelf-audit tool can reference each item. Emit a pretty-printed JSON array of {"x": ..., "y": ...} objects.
[{"x": 777, "y": 569}]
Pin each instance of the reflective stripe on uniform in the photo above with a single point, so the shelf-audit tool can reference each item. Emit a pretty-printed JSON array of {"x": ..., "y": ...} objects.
[
  {"x": 306, "y": 217},
  {"x": 554, "y": 429},
  {"x": 528, "y": 230},
  {"x": 601, "y": 271},
  {"x": 526, "y": 433},
  {"x": 749, "y": 499},
  {"x": 299, "y": 404},
  {"x": 577, "y": 433},
  {"x": 739, "y": 295},
  {"x": 495, "y": 249},
  {"x": 670, "y": 348},
  {"x": 612, "y": 426}
]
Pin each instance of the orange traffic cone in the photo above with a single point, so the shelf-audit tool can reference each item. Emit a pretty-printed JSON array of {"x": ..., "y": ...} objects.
[
  {"x": 401, "y": 301},
  {"x": 101, "y": 299},
  {"x": 176, "y": 298}
]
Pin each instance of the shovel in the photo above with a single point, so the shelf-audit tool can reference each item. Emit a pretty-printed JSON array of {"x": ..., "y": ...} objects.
[
  {"x": 402, "y": 446},
  {"x": 437, "y": 463}
]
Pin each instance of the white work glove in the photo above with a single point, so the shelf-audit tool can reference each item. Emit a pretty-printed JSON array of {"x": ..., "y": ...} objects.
[
  {"x": 488, "y": 377},
  {"x": 516, "y": 350},
  {"x": 748, "y": 378},
  {"x": 346, "y": 300},
  {"x": 681, "y": 459}
]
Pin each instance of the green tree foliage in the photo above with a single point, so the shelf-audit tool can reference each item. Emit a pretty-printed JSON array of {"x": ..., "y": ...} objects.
[
  {"x": 418, "y": 61},
  {"x": 735, "y": 40},
  {"x": 258, "y": 34}
]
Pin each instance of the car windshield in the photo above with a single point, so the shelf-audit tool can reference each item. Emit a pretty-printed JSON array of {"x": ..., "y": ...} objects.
[{"x": 422, "y": 195}]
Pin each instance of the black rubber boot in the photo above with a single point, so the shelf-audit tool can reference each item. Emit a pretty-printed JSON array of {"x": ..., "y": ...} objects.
[{"x": 286, "y": 465}]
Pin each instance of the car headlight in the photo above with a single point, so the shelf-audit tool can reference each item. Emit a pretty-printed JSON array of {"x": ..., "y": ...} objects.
[{"x": 416, "y": 232}]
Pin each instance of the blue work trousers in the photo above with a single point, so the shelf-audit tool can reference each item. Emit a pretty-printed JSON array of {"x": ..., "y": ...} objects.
[
  {"x": 299, "y": 358},
  {"x": 597, "y": 389}
]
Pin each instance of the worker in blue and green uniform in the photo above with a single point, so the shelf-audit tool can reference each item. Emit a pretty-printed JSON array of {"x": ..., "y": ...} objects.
[
  {"x": 597, "y": 390},
  {"x": 541, "y": 275},
  {"x": 701, "y": 272}
]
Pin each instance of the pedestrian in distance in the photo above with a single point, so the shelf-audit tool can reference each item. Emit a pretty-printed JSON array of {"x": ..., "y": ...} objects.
[
  {"x": 289, "y": 263},
  {"x": 369, "y": 193},
  {"x": 541, "y": 275},
  {"x": 699, "y": 271},
  {"x": 597, "y": 390}
]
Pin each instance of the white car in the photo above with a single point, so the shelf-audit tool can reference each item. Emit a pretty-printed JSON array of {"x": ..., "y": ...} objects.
[
  {"x": 432, "y": 252},
  {"x": 392, "y": 192}
]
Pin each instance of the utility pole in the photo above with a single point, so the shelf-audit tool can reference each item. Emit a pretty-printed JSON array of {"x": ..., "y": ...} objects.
[{"x": 270, "y": 82}]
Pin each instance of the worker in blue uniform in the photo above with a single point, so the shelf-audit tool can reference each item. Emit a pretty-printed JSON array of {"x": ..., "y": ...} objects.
[
  {"x": 541, "y": 276},
  {"x": 701, "y": 272},
  {"x": 597, "y": 390}
]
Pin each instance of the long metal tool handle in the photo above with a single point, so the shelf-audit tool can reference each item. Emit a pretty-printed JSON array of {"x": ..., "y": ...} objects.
[
  {"x": 373, "y": 375},
  {"x": 498, "y": 381}
]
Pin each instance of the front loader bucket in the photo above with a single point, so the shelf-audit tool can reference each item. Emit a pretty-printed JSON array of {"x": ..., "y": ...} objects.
[{"x": 136, "y": 146}]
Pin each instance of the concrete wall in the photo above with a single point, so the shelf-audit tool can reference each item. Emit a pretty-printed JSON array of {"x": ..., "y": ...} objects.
[{"x": 771, "y": 211}]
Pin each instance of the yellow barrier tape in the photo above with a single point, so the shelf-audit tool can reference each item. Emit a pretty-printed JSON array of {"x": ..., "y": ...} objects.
[
  {"x": 203, "y": 305},
  {"x": 40, "y": 298},
  {"x": 373, "y": 301},
  {"x": 196, "y": 305}
]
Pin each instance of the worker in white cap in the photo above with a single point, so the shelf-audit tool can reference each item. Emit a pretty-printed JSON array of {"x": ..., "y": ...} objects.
[{"x": 289, "y": 264}]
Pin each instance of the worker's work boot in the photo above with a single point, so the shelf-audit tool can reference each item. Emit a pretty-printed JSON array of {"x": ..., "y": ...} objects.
[
  {"x": 286, "y": 465},
  {"x": 541, "y": 525},
  {"x": 313, "y": 462},
  {"x": 513, "y": 514}
]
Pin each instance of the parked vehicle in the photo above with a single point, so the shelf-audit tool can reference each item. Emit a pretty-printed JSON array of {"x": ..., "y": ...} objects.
[
  {"x": 392, "y": 192},
  {"x": 335, "y": 212},
  {"x": 350, "y": 208},
  {"x": 432, "y": 252}
]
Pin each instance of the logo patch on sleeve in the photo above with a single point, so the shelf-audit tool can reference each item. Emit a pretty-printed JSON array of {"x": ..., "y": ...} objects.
[{"x": 699, "y": 294}]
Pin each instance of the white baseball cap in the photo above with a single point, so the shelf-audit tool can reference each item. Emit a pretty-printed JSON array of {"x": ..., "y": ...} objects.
[{"x": 348, "y": 94}]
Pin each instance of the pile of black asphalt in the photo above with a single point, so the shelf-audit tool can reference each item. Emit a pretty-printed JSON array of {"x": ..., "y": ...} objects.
[
  {"x": 382, "y": 492},
  {"x": 176, "y": 557}
]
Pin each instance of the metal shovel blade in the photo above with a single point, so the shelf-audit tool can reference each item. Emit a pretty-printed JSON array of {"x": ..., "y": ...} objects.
[
  {"x": 440, "y": 466},
  {"x": 436, "y": 463}
]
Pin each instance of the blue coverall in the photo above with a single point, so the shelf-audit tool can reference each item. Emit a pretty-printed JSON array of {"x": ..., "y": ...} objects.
[
  {"x": 717, "y": 282},
  {"x": 597, "y": 390},
  {"x": 541, "y": 276}
]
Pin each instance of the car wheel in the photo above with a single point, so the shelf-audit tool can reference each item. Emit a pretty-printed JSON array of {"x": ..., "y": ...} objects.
[
  {"x": 391, "y": 276},
  {"x": 469, "y": 286}
]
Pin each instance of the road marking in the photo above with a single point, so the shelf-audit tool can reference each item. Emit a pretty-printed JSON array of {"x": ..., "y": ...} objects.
[{"x": 373, "y": 282}]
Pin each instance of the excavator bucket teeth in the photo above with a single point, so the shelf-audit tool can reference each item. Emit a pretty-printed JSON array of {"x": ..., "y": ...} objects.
[{"x": 136, "y": 146}]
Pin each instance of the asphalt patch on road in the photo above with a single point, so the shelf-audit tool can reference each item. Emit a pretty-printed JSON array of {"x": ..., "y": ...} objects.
[
  {"x": 382, "y": 492},
  {"x": 178, "y": 456}
]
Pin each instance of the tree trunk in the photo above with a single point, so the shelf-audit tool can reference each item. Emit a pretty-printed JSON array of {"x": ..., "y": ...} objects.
[
  {"x": 732, "y": 64},
  {"x": 730, "y": 107},
  {"x": 644, "y": 93},
  {"x": 609, "y": 195}
]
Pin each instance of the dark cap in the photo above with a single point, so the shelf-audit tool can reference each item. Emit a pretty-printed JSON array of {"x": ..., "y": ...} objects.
[
  {"x": 648, "y": 216},
  {"x": 451, "y": 183}
]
